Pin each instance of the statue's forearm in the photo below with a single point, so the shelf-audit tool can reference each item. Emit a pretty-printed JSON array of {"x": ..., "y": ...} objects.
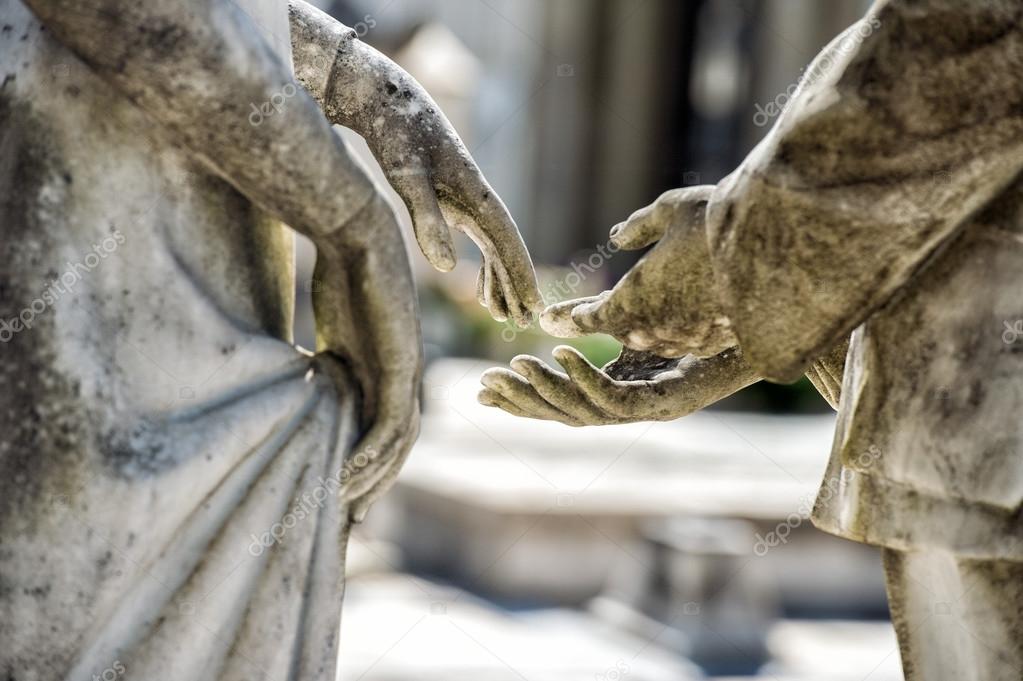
[
  {"x": 200, "y": 68},
  {"x": 336, "y": 68},
  {"x": 356, "y": 86},
  {"x": 316, "y": 41},
  {"x": 863, "y": 179}
]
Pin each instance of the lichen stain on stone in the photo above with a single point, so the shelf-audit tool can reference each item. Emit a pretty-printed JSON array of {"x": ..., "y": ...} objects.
[
  {"x": 43, "y": 420},
  {"x": 136, "y": 451}
]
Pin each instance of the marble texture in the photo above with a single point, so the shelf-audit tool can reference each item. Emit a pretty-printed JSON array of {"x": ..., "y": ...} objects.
[
  {"x": 874, "y": 241},
  {"x": 178, "y": 479}
]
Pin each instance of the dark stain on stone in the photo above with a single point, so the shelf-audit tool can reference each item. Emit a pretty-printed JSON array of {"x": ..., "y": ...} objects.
[
  {"x": 976, "y": 395},
  {"x": 43, "y": 421},
  {"x": 138, "y": 451}
]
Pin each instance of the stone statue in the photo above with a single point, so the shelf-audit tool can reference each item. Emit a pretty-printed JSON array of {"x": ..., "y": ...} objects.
[
  {"x": 873, "y": 240},
  {"x": 176, "y": 477}
]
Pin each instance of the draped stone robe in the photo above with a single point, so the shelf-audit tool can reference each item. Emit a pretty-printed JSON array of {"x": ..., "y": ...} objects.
[
  {"x": 164, "y": 449},
  {"x": 887, "y": 203}
]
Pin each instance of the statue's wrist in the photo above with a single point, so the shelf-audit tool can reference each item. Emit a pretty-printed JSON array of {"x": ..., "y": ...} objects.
[
  {"x": 359, "y": 78},
  {"x": 319, "y": 42}
]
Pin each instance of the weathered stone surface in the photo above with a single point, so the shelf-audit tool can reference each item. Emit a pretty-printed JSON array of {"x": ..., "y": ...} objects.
[
  {"x": 885, "y": 204},
  {"x": 176, "y": 478},
  {"x": 421, "y": 156}
]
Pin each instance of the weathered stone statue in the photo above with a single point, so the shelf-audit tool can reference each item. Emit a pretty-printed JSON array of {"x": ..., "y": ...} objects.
[
  {"x": 886, "y": 204},
  {"x": 176, "y": 478}
]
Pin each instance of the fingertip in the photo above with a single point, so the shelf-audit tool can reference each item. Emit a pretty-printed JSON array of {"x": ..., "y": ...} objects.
[
  {"x": 435, "y": 238},
  {"x": 567, "y": 353},
  {"x": 496, "y": 301},
  {"x": 443, "y": 259},
  {"x": 557, "y": 321},
  {"x": 522, "y": 317},
  {"x": 575, "y": 364},
  {"x": 584, "y": 316},
  {"x": 560, "y": 351},
  {"x": 497, "y": 310},
  {"x": 481, "y": 289},
  {"x": 428, "y": 223},
  {"x": 533, "y": 302},
  {"x": 492, "y": 377},
  {"x": 525, "y": 308},
  {"x": 522, "y": 364},
  {"x": 548, "y": 324},
  {"x": 615, "y": 233}
]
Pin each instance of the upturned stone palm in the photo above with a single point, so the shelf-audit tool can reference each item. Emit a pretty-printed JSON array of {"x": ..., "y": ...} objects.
[{"x": 883, "y": 213}]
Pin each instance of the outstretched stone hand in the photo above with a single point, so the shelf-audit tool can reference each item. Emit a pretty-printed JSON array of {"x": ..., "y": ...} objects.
[
  {"x": 421, "y": 155},
  {"x": 667, "y": 303},
  {"x": 634, "y": 387}
]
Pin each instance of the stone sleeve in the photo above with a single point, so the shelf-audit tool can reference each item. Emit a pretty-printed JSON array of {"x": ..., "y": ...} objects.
[
  {"x": 903, "y": 127},
  {"x": 316, "y": 39}
]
